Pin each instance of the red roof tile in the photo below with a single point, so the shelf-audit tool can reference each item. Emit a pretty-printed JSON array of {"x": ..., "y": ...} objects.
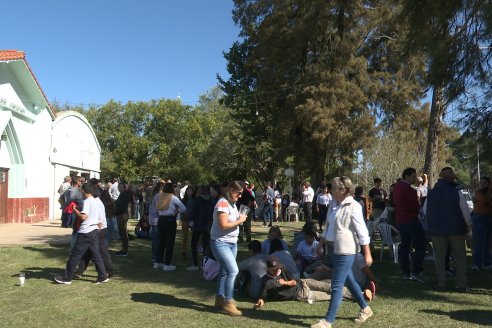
[{"x": 11, "y": 55}]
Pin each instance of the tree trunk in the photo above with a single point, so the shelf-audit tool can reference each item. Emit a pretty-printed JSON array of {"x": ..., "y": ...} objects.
[{"x": 435, "y": 128}]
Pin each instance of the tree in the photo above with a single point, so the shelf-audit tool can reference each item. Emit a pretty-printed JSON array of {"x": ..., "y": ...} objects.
[
  {"x": 310, "y": 80},
  {"x": 451, "y": 35}
]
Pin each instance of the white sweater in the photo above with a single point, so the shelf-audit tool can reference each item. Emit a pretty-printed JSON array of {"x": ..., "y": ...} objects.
[{"x": 345, "y": 227}]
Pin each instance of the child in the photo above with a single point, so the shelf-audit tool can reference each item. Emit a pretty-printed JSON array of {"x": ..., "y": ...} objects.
[{"x": 306, "y": 251}]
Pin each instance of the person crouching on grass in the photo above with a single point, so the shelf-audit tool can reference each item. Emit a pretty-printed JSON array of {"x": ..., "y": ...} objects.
[{"x": 87, "y": 238}]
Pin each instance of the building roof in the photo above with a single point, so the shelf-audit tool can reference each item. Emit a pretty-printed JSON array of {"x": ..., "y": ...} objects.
[
  {"x": 11, "y": 54},
  {"x": 7, "y": 55}
]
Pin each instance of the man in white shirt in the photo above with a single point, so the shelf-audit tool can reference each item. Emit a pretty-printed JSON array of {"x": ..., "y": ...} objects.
[
  {"x": 307, "y": 198},
  {"x": 114, "y": 190},
  {"x": 87, "y": 238},
  {"x": 65, "y": 185}
]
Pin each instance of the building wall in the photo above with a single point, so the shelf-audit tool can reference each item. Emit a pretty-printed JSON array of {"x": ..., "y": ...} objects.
[
  {"x": 45, "y": 149},
  {"x": 27, "y": 210}
]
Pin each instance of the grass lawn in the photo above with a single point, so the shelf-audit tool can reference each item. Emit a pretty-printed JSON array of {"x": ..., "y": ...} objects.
[{"x": 139, "y": 296}]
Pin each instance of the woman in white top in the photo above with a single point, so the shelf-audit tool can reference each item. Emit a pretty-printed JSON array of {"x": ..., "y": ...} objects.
[
  {"x": 224, "y": 235},
  {"x": 348, "y": 232},
  {"x": 324, "y": 198},
  {"x": 168, "y": 206}
]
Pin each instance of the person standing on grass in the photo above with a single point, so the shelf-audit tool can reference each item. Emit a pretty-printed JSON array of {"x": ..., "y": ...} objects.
[
  {"x": 125, "y": 197},
  {"x": 87, "y": 238},
  {"x": 168, "y": 206},
  {"x": 482, "y": 225},
  {"x": 248, "y": 200},
  {"x": 307, "y": 201},
  {"x": 154, "y": 219},
  {"x": 348, "y": 232},
  {"x": 224, "y": 236},
  {"x": 448, "y": 219},
  {"x": 103, "y": 200},
  {"x": 200, "y": 221},
  {"x": 412, "y": 234},
  {"x": 187, "y": 200},
  {"x": 324, "y": 198}
]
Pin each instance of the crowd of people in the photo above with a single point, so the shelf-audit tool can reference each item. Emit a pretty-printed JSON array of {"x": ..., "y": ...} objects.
[{"x": 331, "y": 258}]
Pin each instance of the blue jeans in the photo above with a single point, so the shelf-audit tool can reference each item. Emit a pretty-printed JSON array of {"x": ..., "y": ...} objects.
[
  {"x": 110, "y": 224},
  {"x": 267, "y": 213},
  {"x": 482, "y": 235},
  {"x": 412, "y": 234},
  {"x": 225, "y": 254},
  {"x": 154, "y": 235},
  {"x": 342, "y": 274}
]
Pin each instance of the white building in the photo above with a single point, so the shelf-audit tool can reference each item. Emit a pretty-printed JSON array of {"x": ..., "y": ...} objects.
[{"x": 38, "y": 147}]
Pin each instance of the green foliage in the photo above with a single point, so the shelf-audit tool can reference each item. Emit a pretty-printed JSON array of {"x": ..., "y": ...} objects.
[
  {"x": 168, "y": 139},
  {"x": 317, "y": 73}
]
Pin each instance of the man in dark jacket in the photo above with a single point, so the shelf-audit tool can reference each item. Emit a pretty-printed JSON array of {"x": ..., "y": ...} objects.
[
  {"x": 448, "y": 219},
  {"x": 407, "y": 208},
  {"x": 248, "y": 200}
]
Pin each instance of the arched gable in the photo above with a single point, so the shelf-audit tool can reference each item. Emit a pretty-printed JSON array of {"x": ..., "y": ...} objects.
[{"x": 74, "y": 142}]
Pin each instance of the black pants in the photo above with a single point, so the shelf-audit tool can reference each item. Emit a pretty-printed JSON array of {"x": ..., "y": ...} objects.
[
  {"x": 103, "y": 250},
  {"x": 195, "y": 236},
  {"x": 308, "y": 211},
  {"x": 322, "y": 215},
  {"x": 245, "y": 228},
  {"x": 167, "y": 236},
  {"x": 84, "y": 242},
  {"x": 122, "y": 220}
]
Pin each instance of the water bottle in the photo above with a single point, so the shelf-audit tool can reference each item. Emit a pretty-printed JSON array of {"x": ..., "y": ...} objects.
[{"x": 22, "y": 279}]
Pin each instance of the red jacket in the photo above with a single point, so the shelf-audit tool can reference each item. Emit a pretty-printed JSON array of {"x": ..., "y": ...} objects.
[{"x": 406, "y": 203}]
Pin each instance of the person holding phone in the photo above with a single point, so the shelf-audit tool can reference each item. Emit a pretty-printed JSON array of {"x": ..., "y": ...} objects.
[{"x": 224, "y": 237}]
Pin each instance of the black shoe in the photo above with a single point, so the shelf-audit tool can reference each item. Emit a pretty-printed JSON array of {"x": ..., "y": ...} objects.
[
  {"x": 121, "y": 253},
  {"x": 77, "y": 275},
  {"x": 62, "y": 280},
  {"x": 270, "y": 225},
  {"x": 101, "y": 280},
  {"x": 110, "y": 275}
]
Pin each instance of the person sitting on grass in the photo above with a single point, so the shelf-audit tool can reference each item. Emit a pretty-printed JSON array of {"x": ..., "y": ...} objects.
[
  {"x": 273, "y": 233},
  {"x": 362, "y": 273},
  {"x": 284, "y": 256},
  {"x": 306, "y": 252},
  {"x": 253, "y": 269},
  {"x": 279, "y": 284}
]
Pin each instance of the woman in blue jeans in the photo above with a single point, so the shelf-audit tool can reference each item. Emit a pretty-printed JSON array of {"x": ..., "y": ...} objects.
[
  {"x": 224, "y": 235},
  {"x": 348, "y": 232}
]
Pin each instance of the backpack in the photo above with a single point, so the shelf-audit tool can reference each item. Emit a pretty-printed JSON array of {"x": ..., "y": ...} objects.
[{"x": 210, "y": 268}]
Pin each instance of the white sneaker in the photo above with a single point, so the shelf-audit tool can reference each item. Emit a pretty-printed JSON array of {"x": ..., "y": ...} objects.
[
  {"x": 158, "y": 265},
  {"x": 192, "y": 268},
  {"x": 321, "y": 324},
  {"x": 169, "y": 267}
]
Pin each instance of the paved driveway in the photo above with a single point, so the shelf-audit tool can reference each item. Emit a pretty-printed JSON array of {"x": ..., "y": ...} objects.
[{"x": 46, "y": 232}]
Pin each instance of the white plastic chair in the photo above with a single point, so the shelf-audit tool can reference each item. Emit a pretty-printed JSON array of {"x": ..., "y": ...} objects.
[
  {"x": 293, "y": 210},
  {"x": 387, "y": 239}
]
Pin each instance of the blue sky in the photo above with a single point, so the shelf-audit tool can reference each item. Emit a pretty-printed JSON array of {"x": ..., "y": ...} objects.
[{"x": 87, "y": 52}]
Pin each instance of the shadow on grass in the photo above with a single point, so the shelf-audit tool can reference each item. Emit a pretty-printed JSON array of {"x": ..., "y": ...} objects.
[
  {"x": 478, "y": 317},
  {"x": 170, "y": 300}
]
